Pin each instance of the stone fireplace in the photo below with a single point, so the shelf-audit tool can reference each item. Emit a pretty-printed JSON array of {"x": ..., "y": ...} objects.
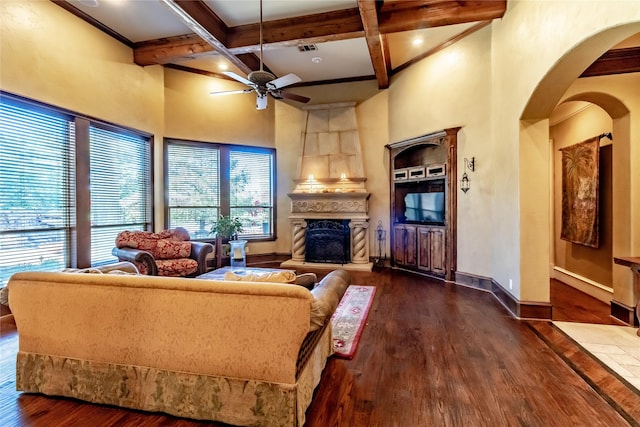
[{"x": 330, "y": 189}]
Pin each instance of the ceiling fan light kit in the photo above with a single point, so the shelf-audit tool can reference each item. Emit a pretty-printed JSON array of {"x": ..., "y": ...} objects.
[{"x": 264, "y": 83}]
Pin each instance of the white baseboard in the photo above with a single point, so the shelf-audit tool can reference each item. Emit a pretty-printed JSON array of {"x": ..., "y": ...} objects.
[{"x": 588, "y": 286}]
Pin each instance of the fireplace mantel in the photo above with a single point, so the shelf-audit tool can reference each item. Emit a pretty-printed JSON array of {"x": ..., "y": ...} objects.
[{"x": 334, "y": 205}]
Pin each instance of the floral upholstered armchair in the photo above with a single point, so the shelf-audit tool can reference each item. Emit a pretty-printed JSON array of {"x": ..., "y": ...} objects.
[{"x": 168, "y": 253}]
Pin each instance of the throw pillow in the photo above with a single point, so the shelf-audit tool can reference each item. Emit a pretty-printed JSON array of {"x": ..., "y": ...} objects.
[
  {"x": 272, "y": 277},
  {"x": 308, "y": 280}
]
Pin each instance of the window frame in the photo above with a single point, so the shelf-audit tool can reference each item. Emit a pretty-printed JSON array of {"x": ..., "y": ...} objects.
[
  {"x": 79, "y": 236},
  {"x": 224, "y": 170}
]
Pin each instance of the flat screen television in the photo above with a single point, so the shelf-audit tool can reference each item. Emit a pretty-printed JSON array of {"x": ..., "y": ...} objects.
[{"x": 426, "y": 208}]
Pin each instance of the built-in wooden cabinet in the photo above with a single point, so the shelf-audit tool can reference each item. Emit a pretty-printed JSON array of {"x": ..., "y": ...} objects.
[
  {"x": 423, "y": 203},
  {"x": 420, "y": 246}
]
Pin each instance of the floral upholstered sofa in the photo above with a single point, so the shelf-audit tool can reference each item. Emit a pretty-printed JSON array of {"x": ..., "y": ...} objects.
[
  {"x": 242, "y": 353},
  {"x": 167, "y": 253}
]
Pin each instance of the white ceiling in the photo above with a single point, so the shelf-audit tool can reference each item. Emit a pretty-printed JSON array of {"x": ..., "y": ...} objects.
[
  {"x": 135, "y": 20},
  {"x": 240, "y": 12}
]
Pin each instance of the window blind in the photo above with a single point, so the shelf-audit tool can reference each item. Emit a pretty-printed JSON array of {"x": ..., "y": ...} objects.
[
  {"x": 36, "y": 182},
  {"x": 251, "y": 192},
  {"x": 120, "y": 173},
  {"x": 193, "y": 187}
]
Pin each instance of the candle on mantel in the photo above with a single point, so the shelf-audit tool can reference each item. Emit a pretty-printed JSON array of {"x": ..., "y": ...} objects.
[
  {"x": 311, "y": 183},
  {"x": 343, "y": 179}
]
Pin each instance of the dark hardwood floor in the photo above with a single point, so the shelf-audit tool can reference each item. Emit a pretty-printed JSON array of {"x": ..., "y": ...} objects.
[
  {"x": 571, "y": 305},
  {"x": 432, "y": 354}
]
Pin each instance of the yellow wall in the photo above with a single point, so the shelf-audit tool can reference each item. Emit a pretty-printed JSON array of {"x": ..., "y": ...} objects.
[
  {"x": 374, "y": 135},
  {"x": 289, "y": 127},
  {"x": 191, "y": 113}
]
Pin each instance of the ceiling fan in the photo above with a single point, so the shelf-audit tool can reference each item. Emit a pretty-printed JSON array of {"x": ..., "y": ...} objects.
[{"x": 264, "y": 83}]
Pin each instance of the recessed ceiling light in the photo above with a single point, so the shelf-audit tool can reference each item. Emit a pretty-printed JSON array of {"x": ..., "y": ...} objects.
[
  {"x": 223, "y": 66},
  {"x": 417, "y": 41},
  {"x": 316, "y": 60},
  {"x": 89, "y": 3}
]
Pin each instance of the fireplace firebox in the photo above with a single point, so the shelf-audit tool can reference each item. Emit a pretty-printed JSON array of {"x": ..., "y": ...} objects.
[{"x": 328, "y": 241}]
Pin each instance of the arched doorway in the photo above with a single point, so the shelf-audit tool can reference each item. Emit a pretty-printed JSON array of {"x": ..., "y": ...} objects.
[
  {"x": 578, "y": 118},
  {"x": 559, "y": 85}
]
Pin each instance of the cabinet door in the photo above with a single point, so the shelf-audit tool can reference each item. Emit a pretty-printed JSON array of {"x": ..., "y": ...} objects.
[
  {"x": 411, "y": 246},
  {"x": 424, "y": 248},
  {"x": 399, "y": 245},
  {"x": 405, "y": 249},
  {"x": 437, "y": 250}
]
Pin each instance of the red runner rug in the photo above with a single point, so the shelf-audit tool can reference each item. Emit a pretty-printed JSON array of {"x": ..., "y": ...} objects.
[{"x": 348, "y": 321}]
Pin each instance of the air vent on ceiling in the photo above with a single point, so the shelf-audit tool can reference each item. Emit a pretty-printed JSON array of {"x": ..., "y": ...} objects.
[{"x": 307, "y": 47}]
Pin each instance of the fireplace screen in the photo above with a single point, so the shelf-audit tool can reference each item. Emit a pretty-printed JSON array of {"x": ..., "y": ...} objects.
[{"x": 327, "y": 240}]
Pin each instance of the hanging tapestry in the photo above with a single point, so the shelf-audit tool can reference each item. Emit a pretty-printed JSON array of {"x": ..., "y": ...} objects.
[{"x": 580, "y": 193}]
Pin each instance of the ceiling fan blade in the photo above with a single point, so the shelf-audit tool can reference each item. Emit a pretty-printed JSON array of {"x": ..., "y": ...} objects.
[
  {"x": 231, "y": 92},
  {"x": 292, "y": 96},
  {"x": 283, "y": 81},
  {"x": 238, "y": 78}
]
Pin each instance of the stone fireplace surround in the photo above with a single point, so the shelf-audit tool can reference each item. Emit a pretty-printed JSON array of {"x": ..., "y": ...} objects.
[
  {"x": 330, "y": 183},
  {"x": 339, "y": 206}
]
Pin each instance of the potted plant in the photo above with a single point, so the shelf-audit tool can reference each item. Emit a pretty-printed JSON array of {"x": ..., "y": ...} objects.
[{"x": 225, "y": 229}]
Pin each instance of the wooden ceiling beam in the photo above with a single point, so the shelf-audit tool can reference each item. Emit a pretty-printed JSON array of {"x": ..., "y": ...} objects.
[
  {"x": 166, "y": 50},
  {"x": 615, "y": 61},
  {"x": 317, "y": 28},
  {"x": 397, "y": 16},
  {"x": 196, "y": 15},
  {"x": 369, "y": 16}
]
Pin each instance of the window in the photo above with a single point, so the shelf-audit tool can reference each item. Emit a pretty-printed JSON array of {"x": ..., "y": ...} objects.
[
  {"x": 251, "y": 195},
  {"x": 42, "y": 187},
  {"x": 205, "y": 180},
  {"x": 193, "y": 188},
  {"x": 120, "y": 180}
]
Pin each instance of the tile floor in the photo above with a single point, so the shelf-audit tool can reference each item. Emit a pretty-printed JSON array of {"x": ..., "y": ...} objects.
[{"x": 618, "y": 347}]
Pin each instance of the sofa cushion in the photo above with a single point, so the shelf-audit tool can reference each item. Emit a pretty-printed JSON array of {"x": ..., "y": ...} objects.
[
  {"x": 327, "y": 296},
  {"x": 123, "y": 267},
  {"x": 176, "y": 267}
]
